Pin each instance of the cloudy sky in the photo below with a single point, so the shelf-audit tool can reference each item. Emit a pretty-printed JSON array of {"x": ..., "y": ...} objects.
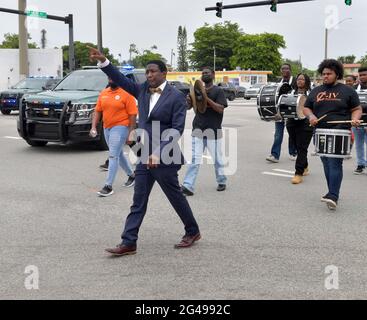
[{"x": 147, "y": 23}]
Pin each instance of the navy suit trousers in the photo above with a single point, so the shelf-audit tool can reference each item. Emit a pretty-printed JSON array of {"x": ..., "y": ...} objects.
[{"x": 167, "y": 178}]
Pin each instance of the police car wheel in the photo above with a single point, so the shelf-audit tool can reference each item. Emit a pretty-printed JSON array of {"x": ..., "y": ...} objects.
[
  {"x": 34, "y": 143},
  {"x": 5, "y": 111}
]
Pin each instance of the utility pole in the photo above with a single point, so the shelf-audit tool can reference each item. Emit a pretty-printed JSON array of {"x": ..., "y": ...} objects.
[
  {"x": 23, "y": 42},
  {"x": 99, "y": 25},
  {"x": 326, "y": 42},
  {"x": 172, "y": 54},
  {"x": 43, "y": 38},
  {"x": 215, "y": 55}
]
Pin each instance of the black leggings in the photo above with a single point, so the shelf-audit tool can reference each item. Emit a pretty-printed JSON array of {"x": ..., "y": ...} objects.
[{"x": 301, "y": 134}]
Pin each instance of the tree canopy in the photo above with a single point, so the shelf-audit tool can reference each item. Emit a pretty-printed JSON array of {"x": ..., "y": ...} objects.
[
  {"x": 220, "y": 36},
  {"x": 258, "y": 52},
  {"x": 11, "y": 41}
]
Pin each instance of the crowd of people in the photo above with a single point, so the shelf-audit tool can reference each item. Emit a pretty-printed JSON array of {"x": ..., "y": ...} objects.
[{"x": 156, "y": 101}]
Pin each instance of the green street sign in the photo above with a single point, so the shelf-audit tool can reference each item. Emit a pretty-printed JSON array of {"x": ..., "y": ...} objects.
[{"x": 36, "y": 14}]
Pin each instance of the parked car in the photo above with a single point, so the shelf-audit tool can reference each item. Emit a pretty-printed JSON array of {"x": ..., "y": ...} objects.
[
  {"x": 9, "y": 99},
  {"x": 240, "y": 92},
  {"x": 253, "y": 91},
  {"x": 229, "y": 90},
  {"x": 182, "y": 86},
  {"x": 65, "y": 113}
]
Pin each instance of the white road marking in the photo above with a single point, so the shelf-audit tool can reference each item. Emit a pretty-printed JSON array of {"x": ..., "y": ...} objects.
[
  {"x": 14, "y": 138},
  {"x": 281, "y": 170},
  {"x": 277, "y": 174}
]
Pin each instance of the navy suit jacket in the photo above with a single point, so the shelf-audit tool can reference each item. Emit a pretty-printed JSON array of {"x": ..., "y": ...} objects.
[{"x": 169, "y": 112}]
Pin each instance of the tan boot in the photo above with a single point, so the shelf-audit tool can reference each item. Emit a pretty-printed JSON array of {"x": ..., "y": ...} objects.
[
  {"x": 306, "y": 172},
  {"x": 297, "y": 179}
]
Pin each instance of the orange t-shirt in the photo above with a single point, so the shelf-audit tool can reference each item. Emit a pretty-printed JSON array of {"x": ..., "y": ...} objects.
[{"x": 116, "y": 105}]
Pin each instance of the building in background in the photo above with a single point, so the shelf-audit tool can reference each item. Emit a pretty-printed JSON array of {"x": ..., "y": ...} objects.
[
  {"x": 243, "y": 78},
  {"x": 42, "y": 62},
  {"x": 351, "y": 68}
]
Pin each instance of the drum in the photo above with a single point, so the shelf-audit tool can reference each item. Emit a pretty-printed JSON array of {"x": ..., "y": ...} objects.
[
  {"x": 291, "y": 106},
  {"x": 267, "y": 102},
  {"x": 333, "y": 143},
  {"x": 363, "y": 98}
]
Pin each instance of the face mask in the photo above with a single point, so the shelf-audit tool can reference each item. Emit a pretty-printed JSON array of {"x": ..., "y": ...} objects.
[
  {"x": 207, "y": 79},
  {"x": 113, "y": 85}
]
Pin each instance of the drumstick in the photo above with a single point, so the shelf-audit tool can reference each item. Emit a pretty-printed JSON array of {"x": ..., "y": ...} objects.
[
  {"x": 325, "y": 115},
  {"x": 342, "y": 121}
]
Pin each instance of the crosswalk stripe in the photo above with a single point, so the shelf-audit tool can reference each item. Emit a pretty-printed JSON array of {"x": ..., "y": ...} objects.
[
  {"x": 277, "y": 174},
  {"x": 281, "y": 170}
]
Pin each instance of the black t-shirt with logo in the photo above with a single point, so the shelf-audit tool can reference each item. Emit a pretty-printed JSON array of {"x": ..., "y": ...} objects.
[
  {"x": 210, "y": 119},
  {"x": 337, "y": 101}
]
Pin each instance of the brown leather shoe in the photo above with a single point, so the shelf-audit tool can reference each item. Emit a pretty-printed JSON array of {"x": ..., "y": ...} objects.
[
  {"x": 187, "y": 241},
  {"x": 122, "y": 250}
]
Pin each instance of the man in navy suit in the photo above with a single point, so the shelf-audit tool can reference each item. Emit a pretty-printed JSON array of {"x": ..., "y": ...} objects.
[{"x": 162, "y": 113}]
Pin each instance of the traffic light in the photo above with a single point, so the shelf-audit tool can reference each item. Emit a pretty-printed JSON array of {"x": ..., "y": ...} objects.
[
  {"x": 348, "y": 2},
  {"x": 274, "y": 5},
  {"x": 219, "y": 9}
]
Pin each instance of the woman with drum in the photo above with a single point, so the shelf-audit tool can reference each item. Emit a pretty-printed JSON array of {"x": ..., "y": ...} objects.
[
  {"x": 300, "y": 131},
  {"x": 333, "y": 107}
]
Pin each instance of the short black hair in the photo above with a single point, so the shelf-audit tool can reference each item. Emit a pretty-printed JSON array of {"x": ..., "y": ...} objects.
[
  {"x": 161, "y": 65},
  {"x": 286, "y": 64},
  {"x": 362, "y": 69},
  {"x": 334, "y": 65},
  {"x": 352, "y": 76},
  {"x": 307, "y": 80}
]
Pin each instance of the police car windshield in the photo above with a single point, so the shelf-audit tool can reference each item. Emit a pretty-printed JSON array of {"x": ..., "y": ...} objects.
[
  {"x": 31, "y": 84},
  {"x": 83, "y": 80}
]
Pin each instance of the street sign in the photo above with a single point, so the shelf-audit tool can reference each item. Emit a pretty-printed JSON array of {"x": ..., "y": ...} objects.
[{"x": 36, "y": 14}]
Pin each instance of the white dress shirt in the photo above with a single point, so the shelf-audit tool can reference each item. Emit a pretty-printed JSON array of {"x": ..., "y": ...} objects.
[{"x": 155, "y": 97}]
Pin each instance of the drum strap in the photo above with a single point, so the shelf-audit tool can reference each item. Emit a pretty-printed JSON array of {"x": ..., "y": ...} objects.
[{"x": 290, "y": 81}]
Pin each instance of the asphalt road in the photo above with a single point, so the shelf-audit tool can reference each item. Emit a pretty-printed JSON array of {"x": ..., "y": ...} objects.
[{"x": 262, "y": 238}]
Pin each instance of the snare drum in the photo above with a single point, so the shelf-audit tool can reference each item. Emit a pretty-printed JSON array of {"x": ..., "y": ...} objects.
[
  {"x": 291, "y": 106},
  {"x": 363, "y": 98},
  {"x": 267, "y": 103},
  {"x": 333, "y": 143}
]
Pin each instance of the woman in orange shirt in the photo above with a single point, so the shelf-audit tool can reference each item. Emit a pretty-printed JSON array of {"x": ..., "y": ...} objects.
[{"x": 119, "y": 110}]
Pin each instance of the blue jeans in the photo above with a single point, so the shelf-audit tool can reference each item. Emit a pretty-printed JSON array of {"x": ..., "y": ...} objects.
[
  {"x": 198, "y": 147},
  {"x": 116, "y": 139},
  {"x": 333, "y": 168},
  {"x": 278, "y": 139},
  {"x": 360, "y": 140}
]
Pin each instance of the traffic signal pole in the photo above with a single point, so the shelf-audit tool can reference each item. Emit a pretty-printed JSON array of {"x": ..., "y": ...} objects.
[
  {"x": 67, "y": 20},
  {"x": 254, "y": 4}
]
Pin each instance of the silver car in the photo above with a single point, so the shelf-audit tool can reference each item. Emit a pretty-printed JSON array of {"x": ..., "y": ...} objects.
[{"x": 253, "y": 91}]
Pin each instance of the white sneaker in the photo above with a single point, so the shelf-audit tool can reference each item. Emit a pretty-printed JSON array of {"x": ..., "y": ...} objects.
[
  {"x": 271, "y": 158},
  {"x": 293, "y": 158}
]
